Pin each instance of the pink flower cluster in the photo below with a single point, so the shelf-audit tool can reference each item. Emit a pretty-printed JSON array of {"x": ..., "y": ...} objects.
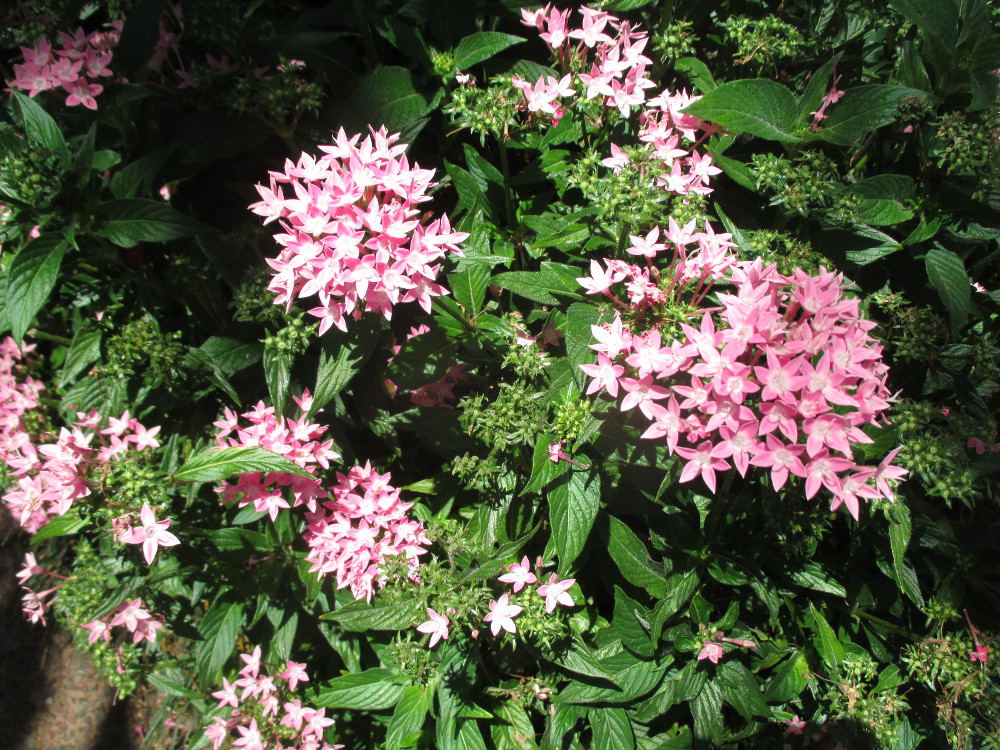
[
  {"x": 299, "y": 440},
  {"x": 617, "y": 72},
  {"x": 51, "y": 476},
  {"x": 36, "y": 604},
  {"x": 353, "y": 234},
  {"x": 266, "y": 697},
  {"x": 355, "y": 533},
  {"x": 782, "y": 376},
  {"x": 519, "y": 575},
  {"x": 133, "y": 616},
  {"x": 82, "y": 59}
]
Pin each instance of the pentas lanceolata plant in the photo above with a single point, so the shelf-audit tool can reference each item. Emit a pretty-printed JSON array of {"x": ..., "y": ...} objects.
[
  {"x": 519, "y": 518},
  {"x": 354, "y": 237}
]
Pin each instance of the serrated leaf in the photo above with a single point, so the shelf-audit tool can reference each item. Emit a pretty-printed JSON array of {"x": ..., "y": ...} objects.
[
  {"x": 947, "y": 274},
  {"x": 633, "y": 560},
  {"x": 789, "y": 680},
  {"x": 707, "y": 711},
  {"x": 814, "y": 577},
  {"x": 371, "y": 690},
  {"x": 635, "y": 681},
  {"x": 216, "y": 464},
  {"x": 129, "y": 221},
  {"x": 611, "y": 728},
  {"x": 340, "y": 360},
  {"x": 863, "y": 109},
  {"x": 538, "y": 286},
  {"x": 387, "y": 96},
  {"x": 825, "y": 640},
  {"x": 758, "y": 106},
  {"x": 231, "y": 355},
  {"x": 543, "y": 469},
  {"x": 573, "y": 506},
  {"x": 30, "y": 279},
  {"x": 360, "y": 616},
  {"x": 39, "y": 127},
  {"x": 422, "y": 359},
  {"x": 468, "y": 287},
  {"x": 221, "y": 626},
  {"x": 740, "y": 690},
  {"x": 278, "y": 375},
  {"x": 482, "y": 45},
  {"x": 408, "y": 718},
  {"x": 84, "y": 351},
  {"x": 63, "y": 525}
]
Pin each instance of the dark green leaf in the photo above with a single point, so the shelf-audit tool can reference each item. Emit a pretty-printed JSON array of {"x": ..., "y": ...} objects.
[
  {"x": 573, "y": 506},
  {"x": 216, "y": 464},
  {"x": 611, "y": 728},
  {"x": 947, "y": 274},
  {"x": 757, "y": 106},
  {"x": 538, "y": 286},
  {"x": 825, "y": 640},
  {"x": 633, "y": 560},
  {"x": 361, "y": 616},
  {"x": 422, "y": 359},
  {"x": 129, "y": 221},
  {"x": 64, "y": 525},
  {"x": 386, "y": 96},
  {"x": 862, "y": 110},
  {"x": 482, "y": 45},
  {"x": 278, "y": 375},
  {"x": 707, "y": 711},
  {"x": 84, "y": 351},
  {"x": 231, "y": 355},
  {"x": 39, "y": 127},
  {"x": 741, "y": 690},
  {"x": 408, "y": 718},
  {"x": 371, "y": 690},
  {"x": 220, "y": 627},
  {"x": 30, "y": 279},
  {"x": 543, "y": 469},
  {"x": 341, "y": 359},
  {"x": 469, "y": 287}
]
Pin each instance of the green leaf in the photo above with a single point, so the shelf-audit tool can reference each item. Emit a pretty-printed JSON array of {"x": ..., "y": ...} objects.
[
  {"x": 278, "y": 375},
  {"x": 707, "y": 711},
  {"x": 216, "y": 464},
  {"x": 538, "y": 286},
  {"x": 408, "y": 718},
  {"x": 30, "y": 279},
  {"x": 580, "y": 317},
  {"x": 371, "y": 690},
  {"x": 492, "y": 566},
  {"x": 84, "y": 351},
  {"x": 387, "y": 96},
  {"x": 469, "y": 287},
  {"x": 635, "y": 681},
  {"x": 862, "y": 110},
  {"x": 789, "y": 680},
  {"x": 340, "y": 360},
  {"x": 231, "y": 355},
  {"x": 825, "y": 640},
  {"x": 63, "y": 525},
  {"x": 173, "y": 687},
  {"x": 741, "y": 690},
  {"x": 632, "y": 623},
  {"x": 220, "y": 627},
  {"x": 757, "y": 106},
  {"x": 947, "y": 274},
  {"x": 580, "y": 660},
  {"x": 900, "y": 528},
  {"x": 573, "y": 506},
  {"x": 698, "y": 72},
  {"x": 633, "y": 560},
  {"x": 611, "y": 728},
  {"x": 543, "y": 469},
  {"x": 138, "y": 177},
  {"x": 814, "y": 577},
  {"x": 39, "y": 127},
  {"x": 129, "y": 221},
  {"x": 360, "y": 616},
  {"x": 937, "y": 17},
  {"x": 482, "y": 45}
]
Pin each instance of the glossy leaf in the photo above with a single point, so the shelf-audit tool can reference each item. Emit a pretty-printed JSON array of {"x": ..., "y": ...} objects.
[
  {"x": 215, "y": 464},
  {"x": 31, "y": 277},
  {"x": 756, "y": 106}
]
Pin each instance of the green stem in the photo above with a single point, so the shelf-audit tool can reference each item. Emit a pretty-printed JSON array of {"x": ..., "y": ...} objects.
[{"x": 50, "y": 337}]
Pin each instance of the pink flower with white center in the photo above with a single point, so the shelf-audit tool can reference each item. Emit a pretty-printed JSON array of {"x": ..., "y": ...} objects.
[
  {"x": 646, "y": 246},
  {"x": 99, "y": 630},
  {"x": 711, "y": 651},
  {"x": 794, "y": 725},
  {"x": 704, "y": 461},
  {"x": 605, "y": 375},
  {"x": 436, "y": 627},
  {"x": 152, "y": 534},
  {"x": 227, "y": 696},
  {"x": 294, "y": 673},
  {"x": 502, "y": 614},
  {"x": 519, "y": 575},
  {"x": 557, "y": 592}
]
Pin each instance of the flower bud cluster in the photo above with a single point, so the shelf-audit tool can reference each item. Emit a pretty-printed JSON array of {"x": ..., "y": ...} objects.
[{"x": 353, "y": 235}]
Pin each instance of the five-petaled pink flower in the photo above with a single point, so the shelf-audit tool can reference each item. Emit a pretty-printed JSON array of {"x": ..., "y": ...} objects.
[
  {"x": 520, "y": 574},
  {"x": 151, "y": 534},
  {"x": 502, "y": 614},
  {"x": 436, "y": 627},
  {"x": 711, "y": 651},
  {"x": 556, "y": 592}
]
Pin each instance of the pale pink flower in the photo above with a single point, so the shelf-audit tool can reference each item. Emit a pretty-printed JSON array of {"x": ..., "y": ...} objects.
[
  {"x": 519, "y": 575},
  {"x": 436, "y": 627},
  {"x": 556, "y": 592},
  {"x": 711, "y": 651},
  {"x": 151, "y": 535},
  {"x": 502, "y": 614}
]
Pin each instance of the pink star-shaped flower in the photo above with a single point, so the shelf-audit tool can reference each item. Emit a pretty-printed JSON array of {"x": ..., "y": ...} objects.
[
  {"x": 436, "y": 627},
  {"x": 520, "y": 574},
  {"x": 151, "y": 534},
  {"x": 502, "y": 614}
]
